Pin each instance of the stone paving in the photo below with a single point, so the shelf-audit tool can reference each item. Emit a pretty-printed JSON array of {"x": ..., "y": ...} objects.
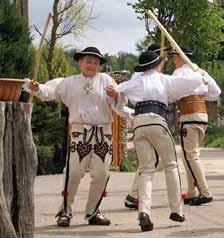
[{"x": 202, "y": 221}]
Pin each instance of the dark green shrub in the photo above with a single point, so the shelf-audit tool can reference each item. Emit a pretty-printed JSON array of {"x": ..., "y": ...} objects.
[
  {"x": 130, "y": 164},
  {"x": 16, "y": 49}
]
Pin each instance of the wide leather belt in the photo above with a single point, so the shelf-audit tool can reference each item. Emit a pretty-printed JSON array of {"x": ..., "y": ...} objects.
[
  {"x": 192, "y": 104},
  {"x": 151, "y": 106}
]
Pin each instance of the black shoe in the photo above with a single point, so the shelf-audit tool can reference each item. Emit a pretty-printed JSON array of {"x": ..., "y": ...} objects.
[
  {"x": 144, "y": 222},
  {"x": 131, "y": 202},
  {"x": 200, "y": 200},
  {"x": 188, "y": 200},
  {"x": 176, "y": 217},
  {"x": 99, "y": 219},
  {"x": 63, "y": 219}
]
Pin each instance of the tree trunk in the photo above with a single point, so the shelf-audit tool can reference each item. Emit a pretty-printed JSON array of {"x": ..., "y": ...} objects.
[
  {"x": 18, "y": 166},
  {"x": 23, "y": 8},
  {"x": 6, "y": 228}
]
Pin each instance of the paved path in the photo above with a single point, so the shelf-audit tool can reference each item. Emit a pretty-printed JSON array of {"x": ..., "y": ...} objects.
[{"x": 203, "y": 221}]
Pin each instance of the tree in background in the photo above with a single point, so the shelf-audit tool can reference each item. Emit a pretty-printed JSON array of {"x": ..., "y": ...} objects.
[
  {"x": 16, "y": 49},
  {"x": 23, "y": 7},
  {"x": 119, "y": 62},
  {"x": 194, "y": 23},
  {"x": 69, "y": 17}
]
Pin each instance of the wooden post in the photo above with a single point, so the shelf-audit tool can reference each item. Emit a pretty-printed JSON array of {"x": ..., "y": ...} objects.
[
  {"x": 18, "y": 166},
  {"x": 119, "y": 128}
]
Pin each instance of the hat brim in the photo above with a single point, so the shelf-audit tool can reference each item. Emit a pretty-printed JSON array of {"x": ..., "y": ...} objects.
[
  {"x": 139, "y": 68},
  {"x": 174, "y": 52},
  {"x": 79, "y": 55}
]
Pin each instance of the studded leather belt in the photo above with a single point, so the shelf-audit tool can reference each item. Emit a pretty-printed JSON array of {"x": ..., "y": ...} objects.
[
  {"x": 192, "y": 104},
  {"x": 151, "y": 106}
]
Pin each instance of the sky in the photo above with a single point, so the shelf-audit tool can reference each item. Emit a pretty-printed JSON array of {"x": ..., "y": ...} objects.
[{"x": 115, "y": 29}]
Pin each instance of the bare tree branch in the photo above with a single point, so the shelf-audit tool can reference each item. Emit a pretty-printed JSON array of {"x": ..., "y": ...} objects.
[{"x": 37, "y": 30}]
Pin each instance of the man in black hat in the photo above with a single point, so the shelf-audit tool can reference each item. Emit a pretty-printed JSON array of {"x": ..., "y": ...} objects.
[
  {"x": 150, "y": 93},
  {"x": 131, "y": 200},
  {"x": 193, "y": 124},
  {"x": 90, "y": 143}
]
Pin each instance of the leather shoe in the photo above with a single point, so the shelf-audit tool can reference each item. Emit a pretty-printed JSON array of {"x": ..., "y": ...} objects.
[
  {"x": 177, "y": 217},
  {"x": 99, "y": 219},
  {"x": 188, "y": 200},
  {"x": 145, "y": 222},
  {"x": 200, "y": 200},
  {"x": 64, "y": 219},
  {"x": 131, "y": 202}
]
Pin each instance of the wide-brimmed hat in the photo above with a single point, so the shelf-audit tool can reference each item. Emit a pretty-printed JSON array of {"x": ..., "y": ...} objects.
[
  {"x": 148, "y": 60},
  {"x": 90, "y": 51},
  {"x": 187, "y": 51},
  {"x": 156, "y": 47}
]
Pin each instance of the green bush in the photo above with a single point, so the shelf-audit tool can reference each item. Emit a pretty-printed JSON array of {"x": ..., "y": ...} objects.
[
  {"x": 130, "y": 164},
  {"x": 45, "y": 165},
  {"x": 214, "y": 137},
  {"x": 16, "y": 49}
]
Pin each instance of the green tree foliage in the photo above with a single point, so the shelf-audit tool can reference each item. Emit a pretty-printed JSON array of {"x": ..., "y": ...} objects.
[
  {"x": 122, "y": 61},
  {"x": 69, "y": 17},
  {"x": 16, "y": 50},
  {"x": 197, "y": 24}
]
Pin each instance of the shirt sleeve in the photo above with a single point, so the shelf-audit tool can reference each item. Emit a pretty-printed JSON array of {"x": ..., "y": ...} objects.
[
  {"x": 122, "y": 109},
  {"x": 132, "y": 88},
  {"x": 51, "y": 90},
  {"x": 213, "y": 89},
  {"x": 182, "y": 85},
  {"x": 119, "y": 105}
]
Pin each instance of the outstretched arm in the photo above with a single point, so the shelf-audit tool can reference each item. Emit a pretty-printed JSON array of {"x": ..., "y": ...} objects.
[{"x": 46, "y": 92}]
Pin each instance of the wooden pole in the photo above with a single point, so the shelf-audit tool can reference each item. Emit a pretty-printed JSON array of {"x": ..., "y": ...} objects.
[
  {"x": 38, "y": 53},
  {"x": 171, "y": 40},
  {"x": 162, "y": 43}
]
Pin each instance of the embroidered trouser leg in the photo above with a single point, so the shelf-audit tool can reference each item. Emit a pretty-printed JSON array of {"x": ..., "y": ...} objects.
[
  {"x": 77, "y": 161},
  {"x": 191, "y": 137},
  {"x": 87, "y": 151},
  {"x": 100, "y": 163},
  {"x": 152, "y": 134}
]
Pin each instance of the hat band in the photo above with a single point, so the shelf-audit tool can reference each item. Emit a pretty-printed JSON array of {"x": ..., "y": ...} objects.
[
  {"x": 187, "y": 53},
  {"x": 157, "y": 58},
  {"x": 90, "y": 53}
]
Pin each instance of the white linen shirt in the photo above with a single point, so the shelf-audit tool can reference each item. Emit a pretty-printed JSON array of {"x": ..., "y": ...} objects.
[
  {"x": 211, "y": 90},
  {"x": 84, "y": 108},
  {"x": 152, "y": 85}
]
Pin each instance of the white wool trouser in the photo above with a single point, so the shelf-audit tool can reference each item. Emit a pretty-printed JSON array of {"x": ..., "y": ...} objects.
[
  {"x": 153, "y": 136},
  {"x": 89, "y": 148},
  {"x": 192, "y": 134},
  {"x": 134, "y": 187}
]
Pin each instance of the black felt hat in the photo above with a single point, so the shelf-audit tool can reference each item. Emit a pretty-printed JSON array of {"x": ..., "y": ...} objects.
[
  {"x": 148, "y": 60},
  {"x": 187, "y": 51},
  {"x": 90, "y": 51},
  {"x": 156, "y": 47}
]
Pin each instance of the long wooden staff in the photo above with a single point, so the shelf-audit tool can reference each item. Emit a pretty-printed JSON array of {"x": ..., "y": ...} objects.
[
  {"x": 162, "y": 43},
  {"x": 38, "y": 54},
  {"x": 171, "y": 40}
]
